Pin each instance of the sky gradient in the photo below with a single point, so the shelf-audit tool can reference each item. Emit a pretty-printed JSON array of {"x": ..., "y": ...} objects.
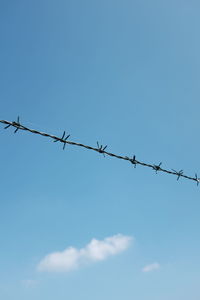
[{"x": 126, "y": 74}]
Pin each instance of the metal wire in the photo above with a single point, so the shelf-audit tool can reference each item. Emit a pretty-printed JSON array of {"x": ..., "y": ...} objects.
[{"x": 100, "y": 148}]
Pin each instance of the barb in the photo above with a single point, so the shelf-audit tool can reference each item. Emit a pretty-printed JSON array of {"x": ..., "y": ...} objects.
[
  {"x": 132, "y": 160},
  {"x": 157, "y": 167},
  {"x": 197, "y": 179},
  {"x": 63, "y": 139},
  {"x": 100, "y": 149},
  {"x": 178, "y": 173}
]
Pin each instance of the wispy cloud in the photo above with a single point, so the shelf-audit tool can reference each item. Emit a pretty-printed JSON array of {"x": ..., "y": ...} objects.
[
  {"x": 72, "y": 258},
  {"x": 151, "y": 267}
]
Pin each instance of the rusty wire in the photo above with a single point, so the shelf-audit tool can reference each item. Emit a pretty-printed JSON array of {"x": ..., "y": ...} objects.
[{"x": 100, "y": 148}]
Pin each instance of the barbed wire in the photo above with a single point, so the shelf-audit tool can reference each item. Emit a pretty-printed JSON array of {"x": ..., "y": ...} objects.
[{"x": 100, "y": 149}]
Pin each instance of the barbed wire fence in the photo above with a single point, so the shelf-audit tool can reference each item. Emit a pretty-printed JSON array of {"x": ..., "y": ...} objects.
[{"x": 100, "y": 149}]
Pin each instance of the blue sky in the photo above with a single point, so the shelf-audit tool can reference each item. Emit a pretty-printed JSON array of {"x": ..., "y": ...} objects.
[{"x": 126, "y": 74}]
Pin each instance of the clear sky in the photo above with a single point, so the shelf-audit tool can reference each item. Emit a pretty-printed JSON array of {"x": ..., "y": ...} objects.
[{"x": 76, "y": 225}]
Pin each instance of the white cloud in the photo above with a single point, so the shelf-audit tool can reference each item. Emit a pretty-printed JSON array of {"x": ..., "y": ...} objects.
[
  {"x": 72, "y": 258},
  {"x": 151, "y": 267}
]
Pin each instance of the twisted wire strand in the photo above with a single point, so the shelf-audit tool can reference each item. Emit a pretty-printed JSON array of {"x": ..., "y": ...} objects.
[{"x": 99, "y": 149}]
